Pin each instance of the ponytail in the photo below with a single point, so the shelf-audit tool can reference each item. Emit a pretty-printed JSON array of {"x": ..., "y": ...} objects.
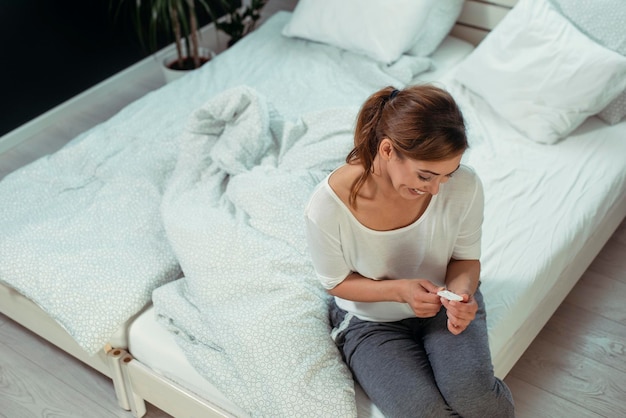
[{"x": 366, "y": 138}]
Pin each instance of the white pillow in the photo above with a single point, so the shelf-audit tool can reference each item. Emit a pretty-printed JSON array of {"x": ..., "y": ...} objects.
[
  {"x": 380, "y": 29},
  {"x": 439, "y": 22},
  {"x": 541, "y": 73},
  {"x": 604, "y": 22}
]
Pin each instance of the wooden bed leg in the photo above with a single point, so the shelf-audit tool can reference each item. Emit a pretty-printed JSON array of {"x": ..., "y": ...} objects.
[
  {"x": 115, "y": 356},
  {"x": 137, "y": 404}
]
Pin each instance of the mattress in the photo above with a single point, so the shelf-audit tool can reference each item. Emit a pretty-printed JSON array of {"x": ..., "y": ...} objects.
[{"x": 544, "y": 206}]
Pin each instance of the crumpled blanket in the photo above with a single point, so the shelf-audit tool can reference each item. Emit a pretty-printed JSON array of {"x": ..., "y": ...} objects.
[{"x": 249, "y": 313}]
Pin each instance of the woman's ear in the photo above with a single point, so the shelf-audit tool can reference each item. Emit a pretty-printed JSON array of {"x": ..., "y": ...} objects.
[{"x": 385, "y": 149}]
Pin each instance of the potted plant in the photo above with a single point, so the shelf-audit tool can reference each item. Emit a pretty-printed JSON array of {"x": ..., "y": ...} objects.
[{"x": 158, "y": 20}]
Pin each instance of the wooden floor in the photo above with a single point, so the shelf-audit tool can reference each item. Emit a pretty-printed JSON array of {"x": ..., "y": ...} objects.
[{"x": 575, "y": 368}]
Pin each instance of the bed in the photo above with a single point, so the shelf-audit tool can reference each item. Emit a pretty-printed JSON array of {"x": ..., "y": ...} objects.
[
  {"x": 546, "y": 219},
  {"x": 249, "y": 144}
]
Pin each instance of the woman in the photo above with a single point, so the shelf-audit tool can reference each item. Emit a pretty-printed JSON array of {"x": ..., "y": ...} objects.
[{"x": 400, "y": 221}]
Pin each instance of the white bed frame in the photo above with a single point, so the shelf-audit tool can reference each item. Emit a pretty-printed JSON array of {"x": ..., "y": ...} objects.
[{"x": 135, "y": 383}]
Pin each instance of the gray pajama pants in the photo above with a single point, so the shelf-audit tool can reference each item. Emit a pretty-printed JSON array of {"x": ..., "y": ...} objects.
[{"x": 417, "y": 368}]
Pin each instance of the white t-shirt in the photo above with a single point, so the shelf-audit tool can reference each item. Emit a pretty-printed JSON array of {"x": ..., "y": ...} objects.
[{"x": 339, "y": 244}]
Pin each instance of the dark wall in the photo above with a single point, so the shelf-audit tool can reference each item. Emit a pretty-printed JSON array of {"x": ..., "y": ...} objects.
[{"x": 53, "y": 50}]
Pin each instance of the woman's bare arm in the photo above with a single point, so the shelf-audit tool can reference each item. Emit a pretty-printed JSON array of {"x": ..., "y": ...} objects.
[{"x": 420, "y": 294}]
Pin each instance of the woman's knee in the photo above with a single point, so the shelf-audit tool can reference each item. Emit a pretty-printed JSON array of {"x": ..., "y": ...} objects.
[
  {"x": 482, "y": 398},
  {"x": 411, "y": 404}
]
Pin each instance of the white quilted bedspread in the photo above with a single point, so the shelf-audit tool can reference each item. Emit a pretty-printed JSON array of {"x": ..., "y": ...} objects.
[
  {"x": 249, "y": 313},
  {"x": 81, "y": 234}
]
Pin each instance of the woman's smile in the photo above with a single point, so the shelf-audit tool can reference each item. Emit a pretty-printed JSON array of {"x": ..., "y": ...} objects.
[{"x": 416, "y": 192}]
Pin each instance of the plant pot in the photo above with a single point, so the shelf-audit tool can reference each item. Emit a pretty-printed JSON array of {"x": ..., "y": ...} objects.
[{"x": 169, "y": 63}]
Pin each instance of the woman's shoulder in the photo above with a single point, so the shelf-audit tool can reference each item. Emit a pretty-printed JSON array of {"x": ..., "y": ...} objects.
[
  {"x": 332, "y": 194},
  {"x": 322, "y": 199},
  {"x": 342, "y": 179}
]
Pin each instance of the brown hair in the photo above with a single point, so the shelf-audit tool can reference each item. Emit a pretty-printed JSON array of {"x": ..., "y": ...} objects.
[{"x": 423, "y": 122}]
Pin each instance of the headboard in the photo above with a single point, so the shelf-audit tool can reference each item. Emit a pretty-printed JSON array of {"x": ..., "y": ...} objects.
[{"x": 479, "y": 17}]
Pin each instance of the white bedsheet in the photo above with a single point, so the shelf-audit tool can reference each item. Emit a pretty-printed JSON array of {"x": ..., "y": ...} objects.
[
  {"x": 450, "y": 52},
  {"x": 542, "y": 204},
  {"x": 81, "y": 234},
  {"x": 80, "y": 231}
]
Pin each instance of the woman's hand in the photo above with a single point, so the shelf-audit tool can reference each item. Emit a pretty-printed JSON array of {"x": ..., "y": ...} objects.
[
  {"x": 421, "y": 295},
  {"x": 461, "y": 278},
  {"x": 460, "y": 313}
]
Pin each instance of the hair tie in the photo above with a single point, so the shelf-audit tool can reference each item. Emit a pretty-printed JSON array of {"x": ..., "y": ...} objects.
[{"x": 393, "y": 94}]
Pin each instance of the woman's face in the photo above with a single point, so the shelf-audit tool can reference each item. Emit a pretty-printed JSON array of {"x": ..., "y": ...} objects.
[{"x": 414, "y": 179}]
